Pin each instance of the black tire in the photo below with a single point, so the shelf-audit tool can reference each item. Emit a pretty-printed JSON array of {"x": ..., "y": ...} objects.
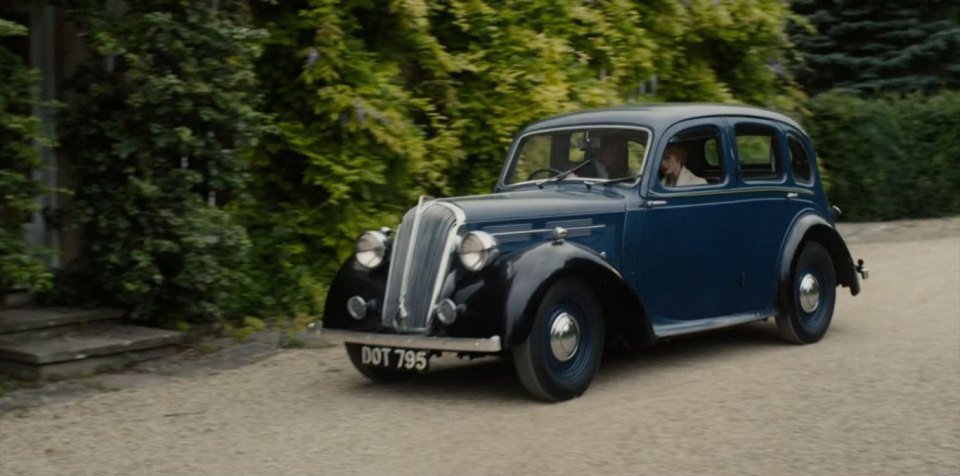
[
  {"x": 375, "y": 374},
  {"x": 803, "y": 322},
  {"x": 541, "y": 372}
]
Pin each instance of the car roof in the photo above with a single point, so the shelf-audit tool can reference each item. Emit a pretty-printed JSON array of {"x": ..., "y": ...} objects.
[{"x": 656, "y": 116}]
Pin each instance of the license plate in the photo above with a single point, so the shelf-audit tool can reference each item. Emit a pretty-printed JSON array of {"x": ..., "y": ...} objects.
[{"x": 392, "y": 358}]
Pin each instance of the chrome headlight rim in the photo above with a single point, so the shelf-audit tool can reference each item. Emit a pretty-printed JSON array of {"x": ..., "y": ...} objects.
[
  {"x": 371, "y": 248},
  {"x": 477, "y": 250}
]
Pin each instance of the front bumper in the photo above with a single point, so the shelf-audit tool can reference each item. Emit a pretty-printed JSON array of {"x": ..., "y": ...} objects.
[{"x": 451, "y": 344}]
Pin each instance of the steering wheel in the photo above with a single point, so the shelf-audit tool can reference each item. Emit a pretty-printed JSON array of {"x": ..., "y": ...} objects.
[{"x": 547, "y": 169}]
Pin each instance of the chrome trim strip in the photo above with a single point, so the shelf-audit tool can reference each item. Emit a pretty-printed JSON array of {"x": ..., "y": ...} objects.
[
  {"x": 393, "y": 254},
  {"x": 700, "y": 325},
  {"x": 512, "y": 154},
  {"x": 445, "y": 260},
  {"x": 545, "y": 230},
  {"x": 731, "y": 191},
  {"x": 452, "y": 344},
  {"x": 401, "y": 306}
]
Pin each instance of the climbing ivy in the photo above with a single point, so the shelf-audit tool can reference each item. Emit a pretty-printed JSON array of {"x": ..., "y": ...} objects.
[
  {"x": 378, "y": 102},
  {"x": 21, "y": 266}
]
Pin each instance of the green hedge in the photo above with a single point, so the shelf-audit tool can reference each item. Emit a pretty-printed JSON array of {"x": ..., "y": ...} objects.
[
  {"x": 891, "y": 157},
  {"x": 167, "y": 107}
]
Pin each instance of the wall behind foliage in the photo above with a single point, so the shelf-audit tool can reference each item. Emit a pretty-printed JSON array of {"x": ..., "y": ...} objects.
[{"x": 20, "y": 132}]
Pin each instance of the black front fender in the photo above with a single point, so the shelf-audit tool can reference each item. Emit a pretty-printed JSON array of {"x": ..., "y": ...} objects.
[
  {"x": 355, "y": 280},
  {"x": 503, "y": 300}
]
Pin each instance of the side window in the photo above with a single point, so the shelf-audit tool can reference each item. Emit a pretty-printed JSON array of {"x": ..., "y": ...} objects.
[
  {"x": 692, "y": 157},
  {"x": 636, "y": 152},
  {"x": 758, "y": 153},
  {"x": 799, "y": 161}
]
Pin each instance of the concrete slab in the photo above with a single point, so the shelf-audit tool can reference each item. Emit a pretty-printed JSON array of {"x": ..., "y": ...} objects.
[
  {"x": 87, "y": 366},
  {"x": 27, "y": 318},
  {"x": 76, "y": 344}
]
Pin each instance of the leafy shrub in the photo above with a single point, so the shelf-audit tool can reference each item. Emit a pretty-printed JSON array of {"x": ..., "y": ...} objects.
[
  {"x": 168, "y": 105},
  {"x": 20, "y": 263},
  {"x": 378, "y": 102},
  {"x": 890, "y": 157}
]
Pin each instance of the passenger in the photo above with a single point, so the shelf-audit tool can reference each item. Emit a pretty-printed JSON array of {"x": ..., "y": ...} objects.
[{"x": 672, "y": 171}]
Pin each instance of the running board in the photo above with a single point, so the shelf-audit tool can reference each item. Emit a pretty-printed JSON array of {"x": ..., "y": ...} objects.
[{"x": 689, "y": 327}]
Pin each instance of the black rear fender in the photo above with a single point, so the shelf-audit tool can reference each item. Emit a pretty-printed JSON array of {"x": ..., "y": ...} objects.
[{"x": 812, "y": 227}]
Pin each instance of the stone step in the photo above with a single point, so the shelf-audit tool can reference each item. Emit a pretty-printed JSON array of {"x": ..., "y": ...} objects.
[
  {"x": 87, "y": 366},
  {"x": 27, "y": 318},
  {"x": 81, "y": 343}
]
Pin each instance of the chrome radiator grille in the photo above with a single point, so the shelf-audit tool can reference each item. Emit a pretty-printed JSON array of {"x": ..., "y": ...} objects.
[{"x": 422, "y": 247}]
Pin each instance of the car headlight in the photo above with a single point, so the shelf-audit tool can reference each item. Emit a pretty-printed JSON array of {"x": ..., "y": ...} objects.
[
  {"x": 371, "y": 249},
  {"x": 477, "y": 250}
]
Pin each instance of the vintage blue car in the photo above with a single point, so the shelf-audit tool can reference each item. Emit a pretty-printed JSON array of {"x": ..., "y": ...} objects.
[{"x": 617, "y": 226}]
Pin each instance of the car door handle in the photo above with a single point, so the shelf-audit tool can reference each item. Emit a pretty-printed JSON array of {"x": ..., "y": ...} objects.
[
  {"x": 793, "y": 195},
  {"x": 656, "y": 203}
]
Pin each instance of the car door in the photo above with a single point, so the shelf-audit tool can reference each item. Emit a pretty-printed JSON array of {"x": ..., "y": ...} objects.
[
  {"x": 767, "y": 208},
  {"x": 685, "y": 255}
]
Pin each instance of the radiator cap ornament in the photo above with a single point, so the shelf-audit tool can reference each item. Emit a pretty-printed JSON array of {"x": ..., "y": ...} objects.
[{"x": 559, "y": 234}]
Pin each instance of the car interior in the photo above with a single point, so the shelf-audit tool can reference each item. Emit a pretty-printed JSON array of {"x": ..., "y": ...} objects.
[
  {"x": 755, "y": 146},
  {"x": 703, "y": 152}
]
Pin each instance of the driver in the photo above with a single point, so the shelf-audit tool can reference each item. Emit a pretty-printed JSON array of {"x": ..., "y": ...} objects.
[{"x": 610, "y": 162}]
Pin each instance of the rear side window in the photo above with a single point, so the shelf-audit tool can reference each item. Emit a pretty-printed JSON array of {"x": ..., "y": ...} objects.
[
  {"x": 758, "y": 153},
  {"x": 799, "y": 161}
]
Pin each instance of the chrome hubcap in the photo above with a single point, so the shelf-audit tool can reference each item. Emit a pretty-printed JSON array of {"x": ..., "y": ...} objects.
[
  {"x": 809, "y": 293},
  {"x": 564, "y": 337}
]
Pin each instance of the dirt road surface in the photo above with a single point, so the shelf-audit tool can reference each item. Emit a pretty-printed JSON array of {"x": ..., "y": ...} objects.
[{"x": 880, "y": 395}]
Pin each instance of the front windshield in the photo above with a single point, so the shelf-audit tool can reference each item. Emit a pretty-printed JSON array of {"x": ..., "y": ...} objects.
[{"x": 603, "y": 154}]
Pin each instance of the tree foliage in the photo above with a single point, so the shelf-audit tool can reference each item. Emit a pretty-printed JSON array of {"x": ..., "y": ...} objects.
[
  {"x": 166, "y": 106},
  {"x": 890, "y": 157},
  {"x": 879, "y": 46},
  {"x": 378, "y": 102},
  {"x": 20, "y": 266}
]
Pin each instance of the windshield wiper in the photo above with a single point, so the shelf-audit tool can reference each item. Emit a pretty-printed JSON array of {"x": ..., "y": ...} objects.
[{"x": 562, "y": 175}]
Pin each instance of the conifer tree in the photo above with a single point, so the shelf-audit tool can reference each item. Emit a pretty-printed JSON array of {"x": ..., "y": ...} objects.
[{"x": 876, "y": 46}]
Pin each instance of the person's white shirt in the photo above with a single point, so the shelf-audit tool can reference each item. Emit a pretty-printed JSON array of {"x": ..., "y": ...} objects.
[
  {"x": 601, "y": 169},
  {"x": 685, "y": 178}
]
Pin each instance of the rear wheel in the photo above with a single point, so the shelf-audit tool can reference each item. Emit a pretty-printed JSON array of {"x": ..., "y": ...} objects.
[
  {"x": 806, "y": 315},
  {"x": 375, "y": 374},
  {"x": 559, "y": 358}
]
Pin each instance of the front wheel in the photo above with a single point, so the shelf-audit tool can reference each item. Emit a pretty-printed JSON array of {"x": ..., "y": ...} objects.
[
  {"x": 808, "y": 310},
  {"x": 561, "y": 354}
]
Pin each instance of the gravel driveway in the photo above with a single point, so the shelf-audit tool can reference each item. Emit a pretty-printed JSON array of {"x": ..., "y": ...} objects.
[{"x": 879, "y": 395}]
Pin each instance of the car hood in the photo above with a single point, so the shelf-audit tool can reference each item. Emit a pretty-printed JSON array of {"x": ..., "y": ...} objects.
[{"x": 539, "y": 203}]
